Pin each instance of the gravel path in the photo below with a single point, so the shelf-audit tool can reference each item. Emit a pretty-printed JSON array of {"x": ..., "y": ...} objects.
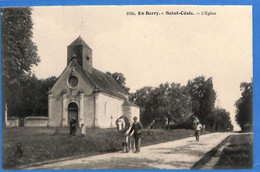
[{"x": 179, "y": 154}]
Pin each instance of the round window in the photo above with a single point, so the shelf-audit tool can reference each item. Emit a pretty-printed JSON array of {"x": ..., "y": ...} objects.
[{"x": 73, "y": 81}]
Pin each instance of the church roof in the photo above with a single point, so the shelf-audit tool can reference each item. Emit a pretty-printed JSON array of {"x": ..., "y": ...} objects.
[
  {"x": 106, "y": 83},
  {"x": 129, "y": 103},
  {"x": 79, "y": 41}
]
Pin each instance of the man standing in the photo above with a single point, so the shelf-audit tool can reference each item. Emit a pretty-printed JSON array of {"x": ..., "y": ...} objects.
[
  {"x": 137, "y": 127},
  {"x": 197, "y": 131},
  {"x": 73, "y": 125}
]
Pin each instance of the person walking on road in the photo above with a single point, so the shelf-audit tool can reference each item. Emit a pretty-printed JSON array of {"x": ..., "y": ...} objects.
[
  {"x": 198, "y": 127},
  {"x": 137, "y": 127},
  {"x": 166, "y": 123}
]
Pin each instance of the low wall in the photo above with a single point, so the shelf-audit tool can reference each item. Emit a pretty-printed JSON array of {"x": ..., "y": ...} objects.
[
  {"x": 33, "y": 121},
  {"x": 13, "y": 122}
]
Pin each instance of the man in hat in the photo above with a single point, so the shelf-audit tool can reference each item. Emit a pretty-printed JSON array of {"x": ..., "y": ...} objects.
[
  {"x": 73, "y": 125},
  {"x": 137, "y": 127}
]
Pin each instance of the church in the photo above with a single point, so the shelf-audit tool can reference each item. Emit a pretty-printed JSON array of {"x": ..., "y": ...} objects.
[{"x": 92, "y": 97}]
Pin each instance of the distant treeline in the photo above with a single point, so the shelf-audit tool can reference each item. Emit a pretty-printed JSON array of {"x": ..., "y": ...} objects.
[
  {"x": 179, "y": 105},
  {"x": 30, "y": 98}
]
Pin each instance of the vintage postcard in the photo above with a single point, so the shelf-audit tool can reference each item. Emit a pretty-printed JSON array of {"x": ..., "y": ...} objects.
[{"x": 127, "y": 87}]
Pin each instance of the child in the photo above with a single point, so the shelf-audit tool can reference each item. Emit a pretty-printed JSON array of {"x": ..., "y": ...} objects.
[{"x": 82, "y": 130}]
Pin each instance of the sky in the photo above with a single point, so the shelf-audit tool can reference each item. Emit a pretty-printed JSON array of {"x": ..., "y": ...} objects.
[{"x": 149, "y": 49}]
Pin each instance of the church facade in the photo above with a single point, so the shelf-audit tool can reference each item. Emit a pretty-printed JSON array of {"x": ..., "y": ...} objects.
[{"x": 92, "y": 97}]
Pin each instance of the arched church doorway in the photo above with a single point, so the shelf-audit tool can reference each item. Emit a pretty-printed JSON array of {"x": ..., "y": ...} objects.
[{"x": 72, "y": 111}]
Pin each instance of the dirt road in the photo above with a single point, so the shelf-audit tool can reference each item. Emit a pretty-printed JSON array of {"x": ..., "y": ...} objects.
[{"x": 179, "y": 154}]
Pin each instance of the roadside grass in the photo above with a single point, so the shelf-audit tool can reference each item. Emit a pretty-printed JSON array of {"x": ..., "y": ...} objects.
[
  {"x": 44, "y": 144},
  {"x": 238, "y": 154}
]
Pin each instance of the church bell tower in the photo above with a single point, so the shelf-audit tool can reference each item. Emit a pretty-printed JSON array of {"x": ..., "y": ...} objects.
[{"x": 79, "y": 50}]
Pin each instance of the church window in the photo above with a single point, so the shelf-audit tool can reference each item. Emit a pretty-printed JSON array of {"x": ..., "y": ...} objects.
[
  {"x": 73, "y": 81},
  {"x": 105, "y": 109}
]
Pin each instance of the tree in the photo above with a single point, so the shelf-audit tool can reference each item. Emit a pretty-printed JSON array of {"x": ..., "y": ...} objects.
[
  {"x": 120, "y": 79},
  {"x": 35, "y": 96},
  {"x": 19, "y": 54},
  {"x": 180, "y": 103},
  {"x": 142, "y": 98},
  {"x": 46, "y": 85},
  {"x": 170, "y": 101},
  {"x": 203, "y": 97},
  {"x": 219, "y": 120},
  {"x": 244, "y": 105}
]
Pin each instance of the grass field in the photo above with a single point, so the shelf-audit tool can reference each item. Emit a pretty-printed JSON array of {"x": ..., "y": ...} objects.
[
  {"x": 238, "y": 154},
  {"x": 42, "y": 144}
]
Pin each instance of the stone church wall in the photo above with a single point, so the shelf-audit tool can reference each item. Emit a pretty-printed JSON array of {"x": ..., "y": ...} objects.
[
  {"x": 56, "y": 111},
  {"x": 62, "y": 94},
  {"x": 88, "y": 113},
  {"x": 108, "y": 109}
]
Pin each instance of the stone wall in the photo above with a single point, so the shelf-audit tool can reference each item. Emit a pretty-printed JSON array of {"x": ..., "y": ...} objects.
[
  {"x": 12, "y": 122},
  {"x": 33, "y": 121}
]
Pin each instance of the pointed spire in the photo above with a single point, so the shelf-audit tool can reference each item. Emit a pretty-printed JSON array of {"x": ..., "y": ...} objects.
[
  {"x": 79, "y": 41},
  {"x": 81, "y": 52}
]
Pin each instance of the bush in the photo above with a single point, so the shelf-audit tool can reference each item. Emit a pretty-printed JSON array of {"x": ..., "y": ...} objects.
[{"x": 182, "y": 125}]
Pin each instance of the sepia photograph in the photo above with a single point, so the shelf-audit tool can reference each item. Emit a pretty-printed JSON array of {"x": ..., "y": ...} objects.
[{"x": 127, "y": 87}]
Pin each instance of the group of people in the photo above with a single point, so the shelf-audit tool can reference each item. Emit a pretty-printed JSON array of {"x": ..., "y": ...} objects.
[
  {"x": 136, "y": 128},
  {"x": 73, "y": 128}
]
